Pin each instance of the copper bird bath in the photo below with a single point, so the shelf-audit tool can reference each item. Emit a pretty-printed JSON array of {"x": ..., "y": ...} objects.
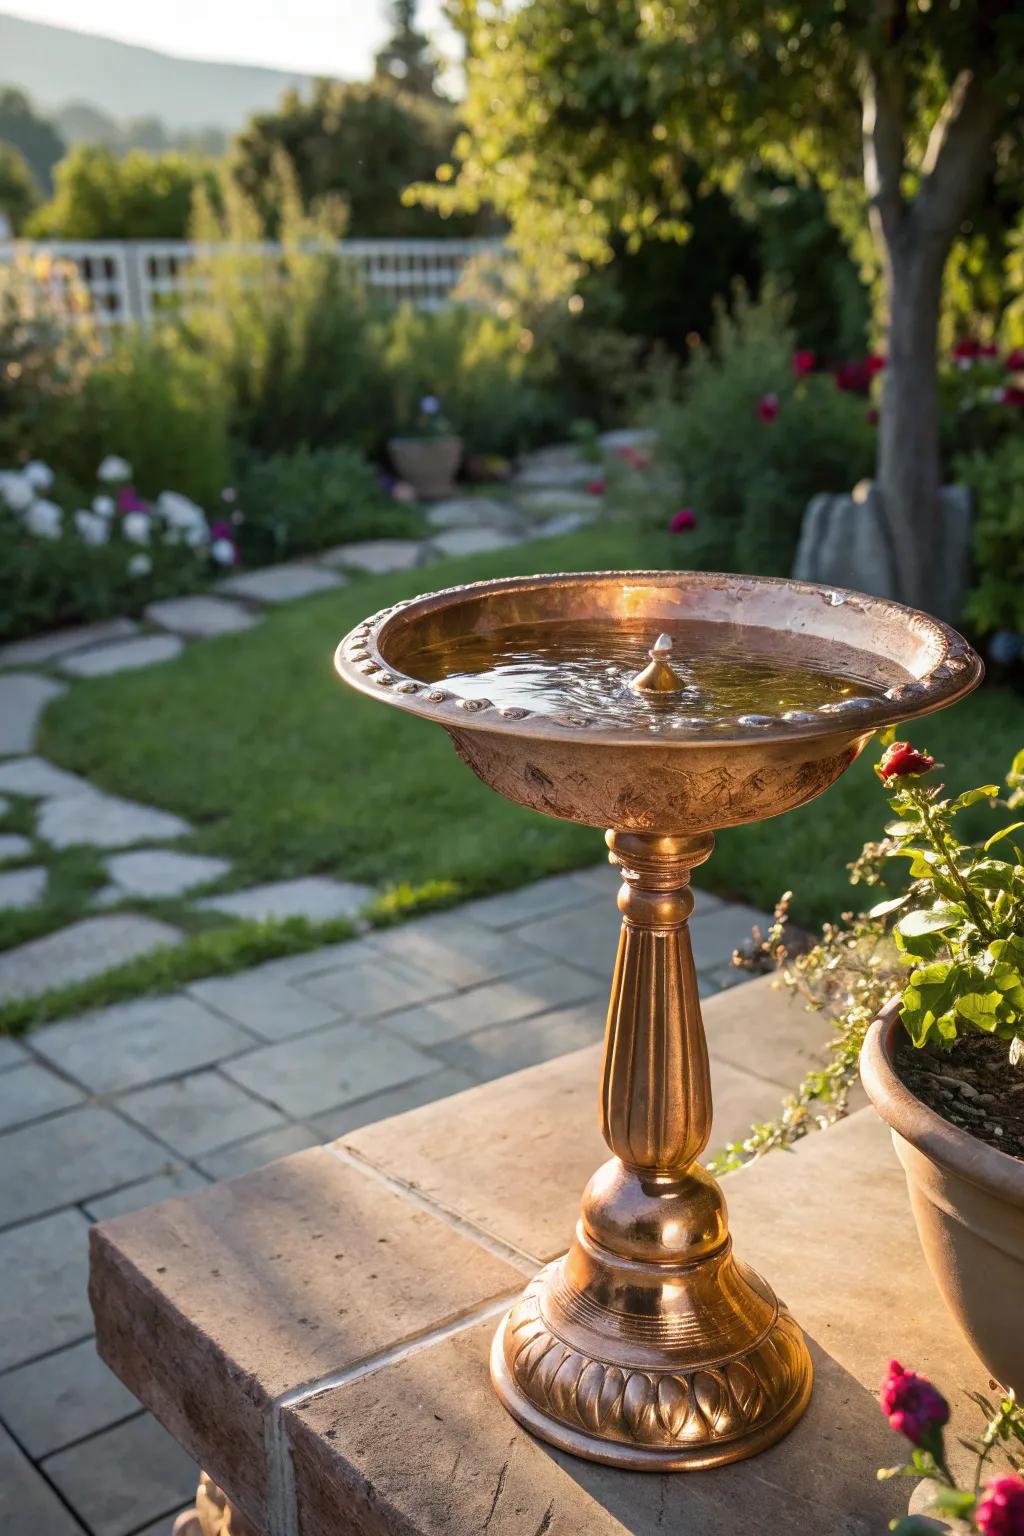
[{"x": 650, "y": 1344}]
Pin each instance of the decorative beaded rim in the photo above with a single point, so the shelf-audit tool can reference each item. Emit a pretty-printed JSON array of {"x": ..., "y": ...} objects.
[{"x": 360, "y": 661}]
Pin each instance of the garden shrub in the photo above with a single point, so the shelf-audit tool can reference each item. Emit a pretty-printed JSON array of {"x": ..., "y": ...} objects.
[
  {"x": 996, "y": 481},
  {"x": 751, "y": 442},
  {"x": 293, "y": 503}
]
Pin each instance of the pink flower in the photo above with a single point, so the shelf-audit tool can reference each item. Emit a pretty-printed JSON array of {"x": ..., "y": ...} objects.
[
  {"x": 128, "y": 500},
  {"x": 804, "y": 363},
  {"x": 1000, "y": 1510},
  {"x": 1015, "y": 360},
  {"x": 594, "y": 488},
  {"x": 636, "y": 458},
  {"x": 768, "y": 408},
  {"x": 912, "y": 1405},
  {"x": 683, "y": 521}
]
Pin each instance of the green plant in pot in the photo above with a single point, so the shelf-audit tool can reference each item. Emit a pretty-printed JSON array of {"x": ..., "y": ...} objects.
[{"x": 429, "y": 454}]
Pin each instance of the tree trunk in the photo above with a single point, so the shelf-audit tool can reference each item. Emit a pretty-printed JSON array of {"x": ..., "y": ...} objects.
[{"x": 909, "y": 468}]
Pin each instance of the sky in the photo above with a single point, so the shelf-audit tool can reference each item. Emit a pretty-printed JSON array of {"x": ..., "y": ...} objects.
[{"x": 331, "y": 37}]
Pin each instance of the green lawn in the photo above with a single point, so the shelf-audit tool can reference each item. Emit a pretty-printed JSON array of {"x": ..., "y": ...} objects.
[{"x": 285, "y": 772}]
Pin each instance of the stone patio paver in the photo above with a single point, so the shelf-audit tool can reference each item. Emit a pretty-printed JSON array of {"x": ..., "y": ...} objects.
[
  {"x": 61, "y": 642},
  {"x": 201, "y": 616},
  {"x": 376, "y": 556},
  {"x": 124, "y": 1477},
  {"x": 716, "y": 934},
  {"x": 13, "y": 845},
  {"x": 314, "y": 897},
  {"x": 156, "y": 872},
  {"x": 264, "y": 1004},
  {"x": 590, "y": 934},
  {"x": 474, "y": 512},
  {"x": 23, "y": 697},
  {"x": 173, "y": 1179},
  {"x": 63, "y": 1397},
  {"x": 132, "y": 1044},
  {"x": 281, "y": 583},
  {"x": 392, "y": 1101},
  {"x": 367, "y": 988},
  {"x": 105, "y": 821},
  {"x": 30, "y": 1091},
  {"x": 257, "y": 1151},
  {"x": 28, "y": 1505},
  {"x": 496, "y": 1050},
  {"x": 555, "y": 894},
  {"x": 12, "y": 1054},
  {"x": 455, "y": 950},
  {"x": 123, "y": 656},
  {"x": 84, "y": 949},
  {"x": 43, "y": 1276},
  {"x": 472, "y": 541},
  {"x": 40, "y": 780},
  {"x": 558, "y": 503},
  {"x": 65, "y": 1159},
  {"x": 198, "y": 1113},
  {"x": 21, "y": 888},
  {"x": 495, "y": 1003},
  {"x": 314, "y": 1073}
]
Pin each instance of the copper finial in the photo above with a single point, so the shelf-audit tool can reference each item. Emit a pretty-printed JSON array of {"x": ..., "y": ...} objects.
[{"x": 658, "y": 677}]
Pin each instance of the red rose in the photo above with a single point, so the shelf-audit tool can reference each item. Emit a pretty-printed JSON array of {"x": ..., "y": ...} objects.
[
  {"x": 855, "y": 378},
  {"x": 988, "y": 349},
  {"x": 1012, "y": 395},
  {"x": 1015, "y": 360},
  {"x": 875, "y": 363},
  {"x": 594, "y": 488},
  {"x": 768, "y": 407},
  {"x": 902, "y": 761},
  {"x": 804, "y": 363},
  {"x": 912, "y": 1405},
  {"x": 966, "y": 349},
  {"x": 1000, "y": 1510},
  {"x": 683, "y": 521}
]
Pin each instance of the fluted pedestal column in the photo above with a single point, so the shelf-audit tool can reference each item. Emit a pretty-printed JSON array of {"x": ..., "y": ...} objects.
[{"x": 649, "y": 1344}]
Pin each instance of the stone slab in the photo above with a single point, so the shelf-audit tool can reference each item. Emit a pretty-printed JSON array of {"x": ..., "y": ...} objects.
[
  {"x": 80, "y": 951},
  {"x": 529, "y": 902},
  {"x": 173, "y": 1179},
  {"x": 376, "y": 556},
  {"x": 493, "y": 1004},
  {"x": 392, "y": 1101},
  {"x": 124, "y": 1477},
  {"x": 140, "y": 1042},
  {"x": 566, "y": 522},
  {"x": 43, "y": 1273},
  {"x": 12, "y": 1054},
  {"x": 23, "y": 697},
  {"x": 314, "y": 897},
  {"x": 368, "y": 988},
  {"x": 716, "y": 933},
  {"x": 589, "y": 934},
  {"x": 104, "y": 821},
  {"x": 61, "y": 642},
  {"x": 257, "y": 1151},
  {"x": 314, "y": 1073},
  {"x": 198, "y": 1113},
  {"x": 264, "y": 1004},
  {"x": 21, "y": 888},
  {"x": 503, "y": 1048},
  {"x": 454, "y": 950},
  {"x": 158, "y": 872},
  {"x": 471, "y": 541},
  {"x": 558, "y": 503},
  {"x": 28, "y": 1505},
  {"x": 69, "y": 1157},
  {"x": 386, "y": 1447},
  {"x": 40, "y": 780},
  {"x": 281, "y": 583},
  {"x": 473, "y": 512},
  {"x": 13, "y": 845},
  {"x": 29, "y": 1091},
  {"x": 63, "y": 1397},
  {"x": 122, "y": 656},
  {"x": 307, "y": 1267},
  {"x": 200, "y": 617}
]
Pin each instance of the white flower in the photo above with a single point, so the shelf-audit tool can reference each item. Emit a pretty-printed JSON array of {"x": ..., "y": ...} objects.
[
  {"x": 183, "y": 517},
  {"x": 38, "y": 475},
  {"x": 16, "y": 490},
  {"x": 92, "y": 528},
  {"x": 139, "y": 565},
  {"x": 104, "y": 506},
  {"x": 223, "y": 551},
  {"x": 113, "y": 469},
  {"x": 135, "y": 527},
  {"x": 44, "y": 519}
]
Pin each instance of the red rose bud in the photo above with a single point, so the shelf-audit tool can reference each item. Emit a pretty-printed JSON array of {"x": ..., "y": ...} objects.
[
  {"x": 913, "y": 1406},
  {"x": 768, "y": 407},
  {"x": 804, "y": 363},
  {"x": 683, "y": 521},
  {"x": 902, "y": 761},
  {"x": 594, "y": 488},
  {"x": 876, "y": 363},
  {"x": 1000, "y": 1510},
  {"x": 855, "y": 378}
]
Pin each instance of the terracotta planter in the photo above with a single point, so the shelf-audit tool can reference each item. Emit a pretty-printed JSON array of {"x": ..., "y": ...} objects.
[
  {"x": 968, "y": 1203},
  {"x": 430, "y": 464}
]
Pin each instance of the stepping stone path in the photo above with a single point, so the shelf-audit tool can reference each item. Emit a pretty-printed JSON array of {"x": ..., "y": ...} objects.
[
  {"x": 200, "y": 617},
  {"x": 20, "y": 888},
  {"x": 474, "y": 512},
  {"x": 23, "y": 697},
  {"x": 472, "y": 541},
  {"x": 39, "y": 780},
  {"x": 123, "y": 656},
  {"x": 157, "y": 872},
  {"x": 84, "y": 949},
  {"x": 281, "y": 583},
  {"x": 376, "y": 556},
  {"x": 315, "y": 897},
  {"x": 42, "y": 648},
  {"x": 13, "y": 845},
  {"x": 104, "y": 821}
]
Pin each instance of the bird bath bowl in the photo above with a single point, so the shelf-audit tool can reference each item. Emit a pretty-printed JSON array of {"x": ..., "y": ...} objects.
[{"x": 660, "y": 706}]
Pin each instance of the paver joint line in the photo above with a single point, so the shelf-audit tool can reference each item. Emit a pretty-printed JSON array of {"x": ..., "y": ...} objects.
[
  {"x": 282, "y": 1501},
  {"x": 518, "y": 1258}
]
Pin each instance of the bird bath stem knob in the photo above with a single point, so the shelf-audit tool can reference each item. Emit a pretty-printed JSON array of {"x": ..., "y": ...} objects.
[{"x": 658, "y": 677}]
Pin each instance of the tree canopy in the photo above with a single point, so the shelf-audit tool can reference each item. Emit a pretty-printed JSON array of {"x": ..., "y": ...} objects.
[
  {"x": 34, "y": 135},
  {"x": 407, "y": 58},
  {"x": 18, "y": 192},
  {"x": 103, "y": 196}
]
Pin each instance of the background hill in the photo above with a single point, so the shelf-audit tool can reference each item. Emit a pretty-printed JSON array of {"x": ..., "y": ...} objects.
[{"x": 58, "y": 67}]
